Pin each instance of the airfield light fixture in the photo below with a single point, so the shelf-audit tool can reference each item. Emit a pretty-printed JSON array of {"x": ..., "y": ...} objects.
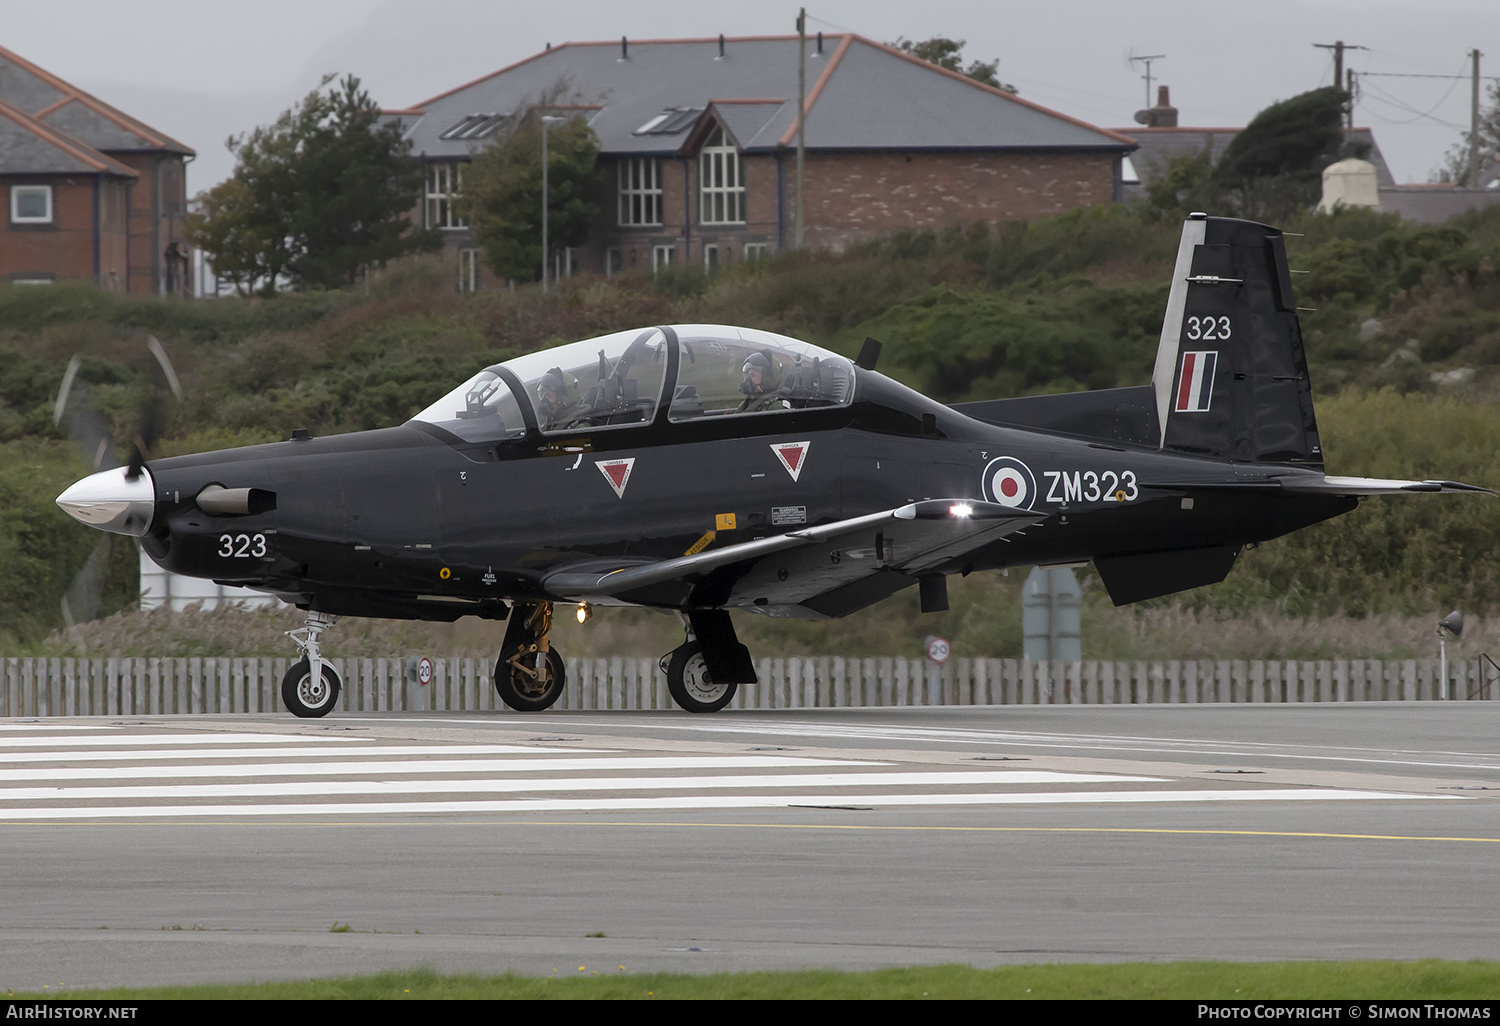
[
  {"x": 1452, "y": 624},
  {"x": 584, "y": 612}
]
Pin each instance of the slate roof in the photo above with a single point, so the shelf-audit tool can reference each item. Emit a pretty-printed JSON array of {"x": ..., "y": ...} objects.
[
  {"x": 1159, "y": 146},
  {"x": 86, "y": 120},
  {"x": 29, "y": 146},
  {"x": 861, "y": 95}
]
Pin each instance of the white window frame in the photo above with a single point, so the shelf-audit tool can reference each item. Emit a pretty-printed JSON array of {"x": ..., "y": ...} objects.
[
  {"x": 640, "y": 198},
  {"x": 712, "y": 258},
  {"x": 721, "y": 181},
  {"x": 663, "y": 256},
  {"x": 753, "y": 251},
  {"x": 445, "y": 182},
  {"x": 17, "y": 191},
  {"x": 468, "y": 270}
]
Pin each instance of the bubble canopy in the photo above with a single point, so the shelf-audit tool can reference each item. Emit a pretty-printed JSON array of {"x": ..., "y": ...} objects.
[{"x": 619, "y": 381}]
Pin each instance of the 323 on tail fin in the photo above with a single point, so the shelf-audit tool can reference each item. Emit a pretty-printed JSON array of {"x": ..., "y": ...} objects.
[{"x": 1231, "y": 373}]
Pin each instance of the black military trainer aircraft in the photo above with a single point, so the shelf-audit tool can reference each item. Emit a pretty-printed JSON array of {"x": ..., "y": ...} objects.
[{"x": 703, "y": 468}]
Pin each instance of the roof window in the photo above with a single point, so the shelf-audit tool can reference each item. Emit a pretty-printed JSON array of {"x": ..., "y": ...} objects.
[
  {"x": 474, "y": 126},
  {"x": 671, "y": 121}
]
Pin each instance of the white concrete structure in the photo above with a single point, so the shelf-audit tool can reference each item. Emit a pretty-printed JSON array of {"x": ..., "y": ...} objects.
[{"x": 1349, "y": 183}]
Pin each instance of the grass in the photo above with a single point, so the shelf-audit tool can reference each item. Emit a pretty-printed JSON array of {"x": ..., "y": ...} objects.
[{"x": 1428, "y": 979}]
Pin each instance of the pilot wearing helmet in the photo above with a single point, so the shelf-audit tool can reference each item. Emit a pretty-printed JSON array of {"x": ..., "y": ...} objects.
[
  {"x": 554, "y": 401},
  {"x": 759, "y": 383}
]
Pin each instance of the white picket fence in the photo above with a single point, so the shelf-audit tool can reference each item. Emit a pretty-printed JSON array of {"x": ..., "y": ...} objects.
[{"x": 153, "y": 686}]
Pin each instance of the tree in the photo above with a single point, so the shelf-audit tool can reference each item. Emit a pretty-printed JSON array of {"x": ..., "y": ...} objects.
[
  {"x": 1456, "y": 163},
  {"x": 948, "y": 53},
  {"x": 1275, "y": 165},
  {"x": 1184, "y": 184},
  {"x": 315, "y": 198},
  {"x": 502, "y": 193}
]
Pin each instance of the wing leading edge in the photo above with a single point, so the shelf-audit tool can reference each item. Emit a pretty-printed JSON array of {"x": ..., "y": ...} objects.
[{"x": 848, "y": 563}]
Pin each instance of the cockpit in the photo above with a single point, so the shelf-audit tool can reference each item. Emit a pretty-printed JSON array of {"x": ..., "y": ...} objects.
[{"x": 619, "y": 380}]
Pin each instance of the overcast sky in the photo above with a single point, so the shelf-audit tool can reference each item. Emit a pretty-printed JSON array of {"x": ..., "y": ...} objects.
[{"x": 201, "y": 70}]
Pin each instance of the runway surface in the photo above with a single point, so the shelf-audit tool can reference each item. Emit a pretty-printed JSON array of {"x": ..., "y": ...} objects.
[{"x": 160, "y": 850}]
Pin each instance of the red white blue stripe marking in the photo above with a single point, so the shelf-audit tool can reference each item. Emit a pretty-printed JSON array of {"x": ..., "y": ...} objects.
[{"x": 1195, "y": 384}]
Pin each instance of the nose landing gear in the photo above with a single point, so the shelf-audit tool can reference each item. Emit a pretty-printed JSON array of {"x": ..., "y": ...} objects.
[
  {"x": 529, "y": 675},
  {"x": 311, "y": 687}
]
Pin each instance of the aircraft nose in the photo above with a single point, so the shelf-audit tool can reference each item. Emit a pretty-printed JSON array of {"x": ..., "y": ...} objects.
[{"x": 111, "y": 502}]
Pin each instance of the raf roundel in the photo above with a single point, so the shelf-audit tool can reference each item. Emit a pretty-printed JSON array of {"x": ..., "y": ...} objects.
[{"x": 1009, "y": 482}]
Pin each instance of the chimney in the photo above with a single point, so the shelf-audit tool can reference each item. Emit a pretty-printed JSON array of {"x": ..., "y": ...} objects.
[
  {"x": 624, "y": 49},
  {"x": 1163, "y": 115}
]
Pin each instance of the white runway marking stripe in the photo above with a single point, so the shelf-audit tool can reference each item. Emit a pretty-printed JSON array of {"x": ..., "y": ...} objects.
[
  {"x": 123, "y": 740},
  {"x": 15, "y": 758},
  {"x": 55, "y": 725},
  {"x": 563, "y": 763},
  {"x": 697, "y": 802},
  {"x": 292, "y": 788}
]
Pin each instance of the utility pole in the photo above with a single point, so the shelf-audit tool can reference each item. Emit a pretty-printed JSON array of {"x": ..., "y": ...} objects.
[
  {"x": 1338, "y": 47},
  {"x": 1474, "y": 124},
  {"x": 1350, "y": 90},
  {"x": 801, "y": 113},
  {"x": 1146, "y": 59}
]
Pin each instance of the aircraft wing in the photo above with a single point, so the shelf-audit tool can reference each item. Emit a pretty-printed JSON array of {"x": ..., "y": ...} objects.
[
  {"x": 787, "y": 569},
  {"x": 1372, "y": 486},
  {"x": 1315, "y": 484}
]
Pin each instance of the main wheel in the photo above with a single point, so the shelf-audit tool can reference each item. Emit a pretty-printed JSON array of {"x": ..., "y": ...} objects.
[
  {"x": 524, "y": 693},
  {"x": 308, "y": 698},
  {"x": 691, "y": 686}
]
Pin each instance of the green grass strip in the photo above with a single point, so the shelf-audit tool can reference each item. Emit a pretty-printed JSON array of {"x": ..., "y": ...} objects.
[{"x": 1419, "y": 980}]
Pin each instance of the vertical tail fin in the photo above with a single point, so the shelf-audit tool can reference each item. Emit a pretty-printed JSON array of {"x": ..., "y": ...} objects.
[{"x": 1231, "y": 374}]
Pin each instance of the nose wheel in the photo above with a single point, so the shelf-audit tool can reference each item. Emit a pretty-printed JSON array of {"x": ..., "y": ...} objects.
[
  {"x": 306, "y": 696},
  {"x": 690, "y": 684},
  {"x": 311, "y": 687}
]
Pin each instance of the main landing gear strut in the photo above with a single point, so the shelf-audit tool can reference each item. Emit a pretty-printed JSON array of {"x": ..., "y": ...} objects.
[
  {"x": 529, "y": 675},
  {"x": 311, "y": 687}
]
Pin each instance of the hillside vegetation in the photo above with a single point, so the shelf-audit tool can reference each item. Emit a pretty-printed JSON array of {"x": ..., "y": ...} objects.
[{"x": 1404, "y": 348}]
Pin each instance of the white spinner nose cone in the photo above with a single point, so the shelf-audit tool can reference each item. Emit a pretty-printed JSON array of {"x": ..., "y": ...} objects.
[{"x": 112, "y": 502}]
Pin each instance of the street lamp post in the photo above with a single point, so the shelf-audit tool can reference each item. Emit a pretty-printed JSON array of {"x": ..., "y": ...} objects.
[{"x": 547, "y": 119}]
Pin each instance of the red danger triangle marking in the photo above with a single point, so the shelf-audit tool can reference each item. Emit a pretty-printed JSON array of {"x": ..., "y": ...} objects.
[
  {"x": 793, "y": 455},
  {"x": 617, "y": 473}
]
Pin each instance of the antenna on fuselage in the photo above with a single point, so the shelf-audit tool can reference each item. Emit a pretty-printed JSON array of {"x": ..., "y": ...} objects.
[{"x": 868, "y": 354}]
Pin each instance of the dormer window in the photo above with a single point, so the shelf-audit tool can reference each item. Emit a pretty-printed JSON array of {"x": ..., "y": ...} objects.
[{"x": 721, "y": 177}]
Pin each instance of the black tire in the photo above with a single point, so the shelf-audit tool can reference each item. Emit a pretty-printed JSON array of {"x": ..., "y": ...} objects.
[
  {"x": 523, "y": 694},
  {"x": 690, "y": 685},
  {"x": 302, "y": 698}
]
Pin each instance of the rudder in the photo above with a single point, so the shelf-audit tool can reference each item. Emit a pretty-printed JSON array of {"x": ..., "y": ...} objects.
[{"x": 1231, "y": 373}]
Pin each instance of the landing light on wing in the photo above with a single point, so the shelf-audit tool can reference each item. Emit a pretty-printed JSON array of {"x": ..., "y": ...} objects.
[{"x": 961, "y": 509}]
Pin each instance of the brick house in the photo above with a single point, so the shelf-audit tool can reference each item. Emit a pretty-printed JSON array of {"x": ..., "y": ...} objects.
[
  {"x": 90, "y": 192},
  {"x": 698, "y": 145}
]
